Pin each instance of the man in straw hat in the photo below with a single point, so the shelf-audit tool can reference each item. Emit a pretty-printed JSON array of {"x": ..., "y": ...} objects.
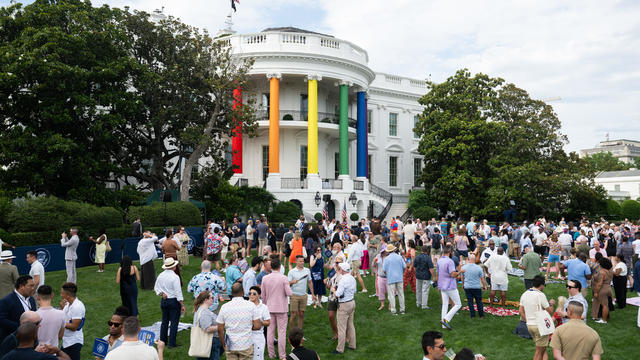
[
  {"x": 172, "y": 304},
  {"x": 8, "y": 273},
  {"x": 345, "y": 292}
]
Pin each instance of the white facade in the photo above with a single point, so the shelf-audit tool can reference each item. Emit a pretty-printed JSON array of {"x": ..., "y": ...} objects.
[
  {"x": 620, "y": 185},
  {"x": 624, "y": 150},
  {"x": 294, "y": 56}
]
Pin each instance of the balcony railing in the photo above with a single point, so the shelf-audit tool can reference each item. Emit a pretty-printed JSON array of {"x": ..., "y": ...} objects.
[
  {"x": 358, "y": 185},
  {"x": 294, "y": 115},
  {"x": 332, "y": 184},
  {"x": 242, "y": 182},
  {"x": 293, "y": 183}
]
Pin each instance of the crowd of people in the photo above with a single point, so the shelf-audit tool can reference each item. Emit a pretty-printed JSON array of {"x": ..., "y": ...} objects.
[{"x": 254, "y": 300}]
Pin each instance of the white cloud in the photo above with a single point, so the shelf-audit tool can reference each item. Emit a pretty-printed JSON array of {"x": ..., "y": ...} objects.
[{"x": 587, "y": 52}]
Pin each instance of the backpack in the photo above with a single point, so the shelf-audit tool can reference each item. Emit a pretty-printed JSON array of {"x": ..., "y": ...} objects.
[
  {"x": 214, "y": 245},
  {"x": 436, "y": 241}
]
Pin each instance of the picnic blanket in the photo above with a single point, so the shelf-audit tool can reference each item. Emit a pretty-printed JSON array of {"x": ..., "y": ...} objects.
[
  {"x": 520, "y": 273},
  {"x": 633, "y": 301},
  {"x": 155, "y": 328},
  {"x": 496, "y": 311}
]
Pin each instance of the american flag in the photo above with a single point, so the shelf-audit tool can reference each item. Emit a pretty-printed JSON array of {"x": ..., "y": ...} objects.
[
  {"x": 344, "y": 209},
  {"x": 233, "y": 4},
  {"x": 325, "y": 211}
]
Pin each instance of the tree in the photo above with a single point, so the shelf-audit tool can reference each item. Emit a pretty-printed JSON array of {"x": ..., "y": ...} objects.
[
  {"x": 605, "y": 161},
  {"x": 486, "y": 143},
  {"x": 185, "y": 82},
  {"x": 631, "y": 209},
  {"x": 64, "y": 73}
]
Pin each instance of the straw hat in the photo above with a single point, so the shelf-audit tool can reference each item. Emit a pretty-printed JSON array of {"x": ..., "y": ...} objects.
[
  {"x": 6, "y": 255},
  {"x": 391, "y": 248},
  {"x": 169, "y": 263}
]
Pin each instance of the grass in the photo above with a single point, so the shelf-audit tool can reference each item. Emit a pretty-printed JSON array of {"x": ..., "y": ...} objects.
[{"x": 378, "y": 332}]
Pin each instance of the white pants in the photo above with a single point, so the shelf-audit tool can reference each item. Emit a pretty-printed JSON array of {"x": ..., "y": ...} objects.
[
  {"x": 71, "y": 270},
  {"x": 258, "y": 345},
  {"x": 422, "y": 292},
  {"x": 393, "y": 290},
  {"x": 455, "y": 297}
]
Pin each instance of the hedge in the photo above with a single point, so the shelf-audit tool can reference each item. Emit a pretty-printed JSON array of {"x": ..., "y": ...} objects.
[
  {"x": 631, "y": 209},
  {"x": 613, "y": 208},
  {"x": 51, "y": 213},
  {"x": 53, "y": 236},
  {"x": 284, "y": 211},
  {"x": 181, "y": 212}
]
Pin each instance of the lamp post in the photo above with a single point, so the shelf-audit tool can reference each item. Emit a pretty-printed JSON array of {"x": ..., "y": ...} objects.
[
  {"x": 317, "y": 199},
  {"x": 353, "y": 198}
]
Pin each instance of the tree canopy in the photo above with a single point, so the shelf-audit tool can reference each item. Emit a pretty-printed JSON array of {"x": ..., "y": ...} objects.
[
  {"x": 486, "y": 142},
  {"x": 605, "y": 161},
  {"x": 93, "y": 96}
]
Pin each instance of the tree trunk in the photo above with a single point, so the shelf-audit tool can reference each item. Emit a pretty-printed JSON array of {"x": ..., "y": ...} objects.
[{"x": 196, "y": 155}]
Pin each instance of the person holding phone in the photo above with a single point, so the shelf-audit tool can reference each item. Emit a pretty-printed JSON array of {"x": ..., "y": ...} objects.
[{"x": 299, "y": 280}]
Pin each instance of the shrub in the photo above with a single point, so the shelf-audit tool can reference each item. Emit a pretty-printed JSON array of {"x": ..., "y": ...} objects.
[
  {"x": 631, "y": 209},
  {"x": 6, "y": 206},
  {"x": 51, "y": 213},
  {"x": 424, "y": 212},
  {"x": 317, "y": 216},
  {"x": 614, "y": 209},
  {"x": 354, "y": 217},
  {"x": 285, "y": 211},
  {"x": 181, "y": 212},
  {"x": 417, "y": 199}
]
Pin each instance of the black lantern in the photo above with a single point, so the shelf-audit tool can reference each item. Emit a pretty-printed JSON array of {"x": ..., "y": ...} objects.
[
  {"x": 317, "y": 199},
  {"x": 353, "y": 198}
]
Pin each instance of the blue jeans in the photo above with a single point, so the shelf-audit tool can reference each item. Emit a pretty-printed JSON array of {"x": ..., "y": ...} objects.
[
  {"x": 216, "y": 350},
  {"x": 477, "y": 295},
  {"x": 170, "y": 313}
]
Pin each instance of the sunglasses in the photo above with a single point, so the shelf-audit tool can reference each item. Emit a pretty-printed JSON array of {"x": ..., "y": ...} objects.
[
  {"x": 441, "y": 346},
  {"x": 570, "y": 287},
  {"x": 253, "y": 293},
  {"x": 111, "y": 323}
]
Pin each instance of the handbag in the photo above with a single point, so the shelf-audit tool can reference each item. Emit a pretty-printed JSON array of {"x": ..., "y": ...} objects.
[
  {"x": 544, "y": 322},
  {"x": 108, "y": 245},
  {"x": 200, "y": 341}
]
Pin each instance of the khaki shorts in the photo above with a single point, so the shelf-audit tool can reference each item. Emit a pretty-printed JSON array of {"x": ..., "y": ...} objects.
[
  {"x": 539, "y": 340},
  {"x": 298, "y": 303},
  {"x": 355, "y": 266},
  {"x": 436, "y": 252},
  {"x": 332, "y": 305}
]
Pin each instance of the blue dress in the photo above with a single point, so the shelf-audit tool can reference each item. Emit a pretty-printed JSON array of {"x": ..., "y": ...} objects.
[
  {"x": 129, "y": 292},
  {"x": 317, "y": 277}
]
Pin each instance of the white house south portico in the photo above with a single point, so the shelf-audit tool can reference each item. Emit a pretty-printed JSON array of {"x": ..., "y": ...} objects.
[{"x": 315, "y": 132}]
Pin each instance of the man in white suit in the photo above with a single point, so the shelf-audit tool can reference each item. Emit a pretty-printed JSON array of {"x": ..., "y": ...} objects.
[{"x": 70, "y": 255}]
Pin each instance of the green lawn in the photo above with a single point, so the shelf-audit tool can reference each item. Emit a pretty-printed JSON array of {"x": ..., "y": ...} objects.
[{"x": 378, "y": 332}]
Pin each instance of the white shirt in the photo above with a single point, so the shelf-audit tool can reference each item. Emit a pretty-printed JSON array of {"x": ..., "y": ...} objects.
[
  {"x": 133, "y": 350},
  {"x": 168, "y": 282},
  {"x": 623, "y": 266},
  {"x": 23, "y": 300},
  {"x": 262, "y": 311},
  {"x": 541, "y": 238},
  {"x": 248, "y": 280},
  {"x": 147, "y": 249},
  {"x": 237, "y": 316},
  {"x": 74, "y": 311},
  {"x": 355, "y": 251},
  {"x": 533, "y": 300},
  {"x": 409, "y": 232},
  {"x": 37, "y": 269},
  {"x": 565, "y": 239},
  {"x": 346, "y": 288},
  {"x": 498, "y": 266},
  {"x": 636, "y": 246},
  {"x": 486, "y": 254}
]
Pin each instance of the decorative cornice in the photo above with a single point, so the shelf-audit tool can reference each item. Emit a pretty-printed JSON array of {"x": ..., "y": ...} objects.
[
  {"x": 314, "y": 77},
  {"x": 274, "y": 75}
]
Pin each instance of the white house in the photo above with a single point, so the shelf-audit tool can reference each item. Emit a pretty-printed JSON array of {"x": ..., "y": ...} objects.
[
  {"x": 328, "y": 125},
  {"x": 620, "y": 185}
]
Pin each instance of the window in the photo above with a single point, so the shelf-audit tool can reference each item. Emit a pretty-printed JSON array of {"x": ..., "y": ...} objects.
[
  {"x": 265, "y": 162},
  {"x": 369, "y": 120},
  {"x": 617, "y": 187},
  {"x": 369, "y": 157},
  {"x": 336, "y": 166},
  {"x": 415, "y": 123},
  {"x": 393, "y": 124},
  {"x": 304, "y": 106},
  {"x": 303, "y": 162},
  {"x": 417, "y": 172},
  {"x": 393, "y": 171},
  {"x": 228, "y": 155}
]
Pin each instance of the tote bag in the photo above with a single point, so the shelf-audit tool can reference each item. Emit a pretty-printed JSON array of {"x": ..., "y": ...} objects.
[
  {"x": 200, "y": 341},
  {"x": 544, "y": 321}
]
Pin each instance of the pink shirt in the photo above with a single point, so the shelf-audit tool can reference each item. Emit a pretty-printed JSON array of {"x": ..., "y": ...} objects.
[
  {"x": 275, "y": 291},
  {"x": 51, "y": 321}
]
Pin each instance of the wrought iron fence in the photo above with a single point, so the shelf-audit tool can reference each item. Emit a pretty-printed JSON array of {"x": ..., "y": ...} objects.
[
  {"x": 295, "y": 115},
  {"x": 332, "y": 183},
  {"x": 293, "y": 183},
  {"x": 358, "y": 185}
]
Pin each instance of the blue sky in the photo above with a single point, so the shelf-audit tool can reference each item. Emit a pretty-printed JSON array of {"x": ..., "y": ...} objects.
[{"x": 586, "y": 52}]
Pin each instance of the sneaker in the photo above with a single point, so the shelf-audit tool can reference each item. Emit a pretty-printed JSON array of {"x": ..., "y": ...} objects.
[
  {"x": 336, "y": 352},
  {"x": 600, "y": 321},
  {"x": 446, "y": 324},
  {"x": 364, "y": 291},
  {"x": 426, "y": 308},
  {"x": 373, "y": 295},
  {"x": 394, "y": 313},
  {"x": 401, "y": 312}
]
